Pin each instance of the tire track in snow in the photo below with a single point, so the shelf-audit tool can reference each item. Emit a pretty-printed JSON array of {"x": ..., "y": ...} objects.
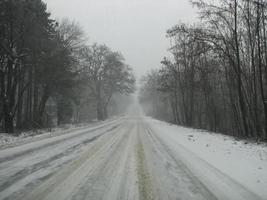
[
  {"x": 218, "y": 184},
  {"x": 144, "y": 181},
  {"x": 14, "y": 184},
  {"x": 47, "y": 162},
  {"x": 67, "y": 182},
  {"x": 175, "y": 180},
  {"x": 47, "y": 142},
  {"x": 101, "y": 182},
  {"x": 129, "y": 160}
]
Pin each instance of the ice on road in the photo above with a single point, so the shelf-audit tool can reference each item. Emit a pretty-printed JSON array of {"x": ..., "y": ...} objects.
[{"x": 130, "y": 157}]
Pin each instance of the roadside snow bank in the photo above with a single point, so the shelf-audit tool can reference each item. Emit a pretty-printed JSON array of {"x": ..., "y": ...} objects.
[
  {"x": 8, "y": 140},
  {"x": 245, "y": 163}
]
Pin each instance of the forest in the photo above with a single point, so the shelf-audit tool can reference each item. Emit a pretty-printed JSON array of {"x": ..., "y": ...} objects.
[
  {"x": 216, "y": 77},
  {"x": 49, "y": 71}
]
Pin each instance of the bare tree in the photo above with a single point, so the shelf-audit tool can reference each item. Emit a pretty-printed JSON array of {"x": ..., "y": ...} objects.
[
  {"x": 217, "y": 78},
  {"x": 107, "y": 74}
]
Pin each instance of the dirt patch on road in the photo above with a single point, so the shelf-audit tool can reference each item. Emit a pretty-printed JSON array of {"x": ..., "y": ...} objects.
[{"x": 144, "y": 180}]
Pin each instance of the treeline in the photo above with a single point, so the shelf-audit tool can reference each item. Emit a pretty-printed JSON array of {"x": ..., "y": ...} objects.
[
  {"x": 217, "y": 79},
  {"x": 47, "y": 67}
]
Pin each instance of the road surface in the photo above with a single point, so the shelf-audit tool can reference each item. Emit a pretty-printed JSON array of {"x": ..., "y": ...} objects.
[{"x": 123, "y": 158}]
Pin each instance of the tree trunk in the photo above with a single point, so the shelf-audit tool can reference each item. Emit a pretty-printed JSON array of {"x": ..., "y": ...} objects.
[
  {"x": 260, "y": 65},
  {"x": 35, "y": 95},
  {"x": 42, "y": 104},
  {"x": 20, "y": 104},
  {"x": 239, "y": 77},
  {"x": 105, "y": 112},
  {"x": 99, "y": 111},
  {"x": 8, "y": 118}
]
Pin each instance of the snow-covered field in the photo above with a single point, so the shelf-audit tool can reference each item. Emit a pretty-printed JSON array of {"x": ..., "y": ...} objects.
[{"x": 133, "y": 157}]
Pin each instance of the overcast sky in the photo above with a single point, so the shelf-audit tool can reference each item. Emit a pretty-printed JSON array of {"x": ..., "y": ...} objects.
[{"x": 136, "y": 28}]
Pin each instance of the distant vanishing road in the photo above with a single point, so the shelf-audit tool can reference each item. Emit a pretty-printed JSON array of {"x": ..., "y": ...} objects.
[{"x": 122, "y": 158}]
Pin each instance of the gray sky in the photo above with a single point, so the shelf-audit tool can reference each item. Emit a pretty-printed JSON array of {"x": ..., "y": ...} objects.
[{"x": 136, "y": 28}]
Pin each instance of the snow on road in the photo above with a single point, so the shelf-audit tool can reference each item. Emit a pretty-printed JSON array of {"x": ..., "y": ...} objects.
[
  {"x": 219, "y": 161},
  {"x": 134, "y": 157}
]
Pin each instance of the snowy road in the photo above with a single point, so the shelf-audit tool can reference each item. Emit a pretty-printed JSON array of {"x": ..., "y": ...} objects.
[{"x": 124, "y": 158}]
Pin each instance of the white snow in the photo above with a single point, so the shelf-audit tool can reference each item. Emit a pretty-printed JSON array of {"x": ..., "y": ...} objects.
[
  {"x": 245, "y": 163},
  {"x": 25, "y": 165},
  {"x": 9, "y": 140},
  {"x": 116, "y": 158}
]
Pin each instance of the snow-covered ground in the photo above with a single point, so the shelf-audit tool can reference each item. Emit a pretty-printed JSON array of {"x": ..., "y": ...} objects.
[
  {"x": 9, "y": 140},
  {"x": 205, "y": 152},
  {"x": 133, "y": 157},
  {"x": 26, "y": 165}
]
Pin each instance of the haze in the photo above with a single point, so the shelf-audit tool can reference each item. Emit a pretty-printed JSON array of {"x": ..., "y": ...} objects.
[{"x": 136, "y": 28}]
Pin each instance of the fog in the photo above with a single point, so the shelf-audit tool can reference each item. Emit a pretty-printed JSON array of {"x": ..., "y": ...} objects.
[{"x": 136, "y": 28}]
